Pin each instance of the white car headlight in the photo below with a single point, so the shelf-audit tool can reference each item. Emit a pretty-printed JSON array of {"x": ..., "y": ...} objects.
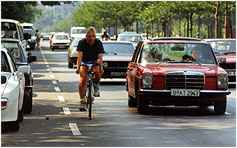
[
  {"x": 222, "y": 81},
  {"x": 105, "y": 64},
  {"x": 147, "y": 78}
]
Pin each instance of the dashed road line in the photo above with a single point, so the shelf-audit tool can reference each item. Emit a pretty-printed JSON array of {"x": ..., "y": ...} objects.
[
  {"x": 61, "y": 99},
  {"x": 66, "y": 111},
  {"x": 54, "y": 82},
  {"x": 74, "y": 129},
  {"x": 57, "y": 89},
  {"x": 47, "y": 66}
]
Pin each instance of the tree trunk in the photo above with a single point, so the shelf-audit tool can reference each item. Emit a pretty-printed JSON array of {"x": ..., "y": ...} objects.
[
  {"x": 187, "y": 25},
  {"x": 191, "y": 24},
  {"x": 231, "y": 30},
  {"x": 199, "y": 26},
  {"x": 169, "y": 26},
  {"x": 216, "y": 19},
  {"x": 137, "y": 27}
]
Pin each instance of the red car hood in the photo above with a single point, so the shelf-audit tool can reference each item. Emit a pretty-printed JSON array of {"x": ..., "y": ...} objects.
[
  {"x": 126, "y": 58},
  {"x": 230, "y": 58},
  {"x": 161, "y": 69}
]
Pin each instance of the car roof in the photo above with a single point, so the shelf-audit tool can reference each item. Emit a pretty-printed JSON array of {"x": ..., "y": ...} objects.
[
  {"x": 10, "y": 40},
  {"x": 220, "y": 39},
  {"x": 10, "y": 21},
  {"x": 176, "y": 39},
  {"x": 116, "y": 42}
]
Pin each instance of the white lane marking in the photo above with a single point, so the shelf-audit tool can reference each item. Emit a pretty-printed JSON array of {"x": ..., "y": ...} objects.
[
  {"x": 51, "y": 76},
  {"x": 54, "y": 82},
  {"x": 61, "y": 99},
  {"x": 57, "y": 89},
  {"x": 50, "y": 72},
  {"x": 66, "y": 111},
  {"x": 74, "y": 129},
  {"x": 48, "y": 69},
  {"x": 227, "y": 113},
  {"x": 47, "y": 66}
]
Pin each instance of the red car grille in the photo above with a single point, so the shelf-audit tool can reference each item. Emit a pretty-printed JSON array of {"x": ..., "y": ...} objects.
[{"x": 183, "y": 81}]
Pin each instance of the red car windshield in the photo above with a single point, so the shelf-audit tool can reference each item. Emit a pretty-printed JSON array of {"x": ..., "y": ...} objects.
[{"x": 153, "y": 53}]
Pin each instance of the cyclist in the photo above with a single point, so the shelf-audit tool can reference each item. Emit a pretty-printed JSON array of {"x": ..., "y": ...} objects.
[
  {"x": 90, "y": 51},
  {"x": 105, "y": 36}
]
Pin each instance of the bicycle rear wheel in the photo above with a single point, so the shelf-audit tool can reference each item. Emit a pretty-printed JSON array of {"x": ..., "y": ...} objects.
[{"x": 89, "y": 100}]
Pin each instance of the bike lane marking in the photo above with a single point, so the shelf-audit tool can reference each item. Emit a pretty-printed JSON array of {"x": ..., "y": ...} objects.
[
  {"x": 74, "y": 129},
  {"x": 66, "y": 111},
  {"x": 61, "y": 99},
  {"x": 54, "y": 82},
  {"x": 57, "y": 89}
]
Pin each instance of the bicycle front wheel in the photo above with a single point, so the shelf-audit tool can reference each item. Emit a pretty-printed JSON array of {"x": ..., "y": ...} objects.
[{"x": 89, "y": 100}]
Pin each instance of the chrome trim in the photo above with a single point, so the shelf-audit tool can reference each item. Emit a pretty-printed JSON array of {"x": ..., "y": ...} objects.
[{"x": 201, "y": 91}]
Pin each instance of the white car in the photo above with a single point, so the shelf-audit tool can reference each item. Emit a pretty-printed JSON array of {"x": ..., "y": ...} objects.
[
  {"x": 78, "y": 32},
  {"x": 131, "y": 37},
  {"x": 20, "y": 57},
  {"x": 60, "y": 40},
  {"x": 12, "y": 92},
  {"x": 72, "y": 52}
]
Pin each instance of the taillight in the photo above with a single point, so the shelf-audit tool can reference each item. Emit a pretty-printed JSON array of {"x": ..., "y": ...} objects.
[{"x": 4, "y": 102}]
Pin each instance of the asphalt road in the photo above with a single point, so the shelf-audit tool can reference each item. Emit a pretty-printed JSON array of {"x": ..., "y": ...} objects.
[{"x": 56, "y": 120}]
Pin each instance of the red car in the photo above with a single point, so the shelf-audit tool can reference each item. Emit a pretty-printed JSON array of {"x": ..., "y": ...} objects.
[
  {"x": 225, "y": 50},
  {"x": 176, "y": 71}
]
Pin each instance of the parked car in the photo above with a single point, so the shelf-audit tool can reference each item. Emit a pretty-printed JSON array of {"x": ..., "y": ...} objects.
[
  {"x": 46, "y": 36},
  {"x": 60, "y": 40},
  {"x": 72, "y": 52},
  {"x": 131, "y": 37},
  {"x": 176, "y": 71},
  {"x": 225, "y": 50},
  {"x": 32, "y": 40},
  {"x": 116, "y": 58},
  {"x": 12, "y": 92},
  {"x": 13, "y": 29},
  {"x": 20, "y": 57}
]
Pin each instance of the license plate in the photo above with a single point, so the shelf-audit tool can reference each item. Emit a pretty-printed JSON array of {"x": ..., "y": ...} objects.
[
  {"x": 185, "y": 92},
  {"x": 118, "y": 73}
]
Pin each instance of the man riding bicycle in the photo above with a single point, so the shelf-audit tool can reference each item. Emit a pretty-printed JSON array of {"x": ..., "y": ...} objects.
[{"x": 90, "y": 51}]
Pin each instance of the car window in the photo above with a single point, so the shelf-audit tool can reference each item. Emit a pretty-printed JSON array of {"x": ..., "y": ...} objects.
[
  {"x": 61, "y": 37},
  {"x": 14, "y": 50},
  {"x": 130, "y": 38},
  {"x": 9, "y": 30},
  {"x": 4, "y": 63},
  {"x": 79, "y": 31},
  {"x": 75, "y": 42},
  {"x": 119, "y": 48},
  {"x": 29, "y": 31},
  {"x": 223, "y": 45},
  {"x": 177, "y": 53}
]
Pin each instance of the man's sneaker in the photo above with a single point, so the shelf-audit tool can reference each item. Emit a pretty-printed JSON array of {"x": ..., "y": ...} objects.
[
  {"x": 82, "y": 105},
  {"x": 96, "y": 90}
]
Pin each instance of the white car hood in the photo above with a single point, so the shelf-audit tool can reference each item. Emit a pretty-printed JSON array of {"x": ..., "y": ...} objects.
[{"x": 3, "y": 86}]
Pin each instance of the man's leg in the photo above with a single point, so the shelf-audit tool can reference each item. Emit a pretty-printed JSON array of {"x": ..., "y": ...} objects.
[
  {"x": 96, "y": 70},
  {"x": 82, "y": 87}
]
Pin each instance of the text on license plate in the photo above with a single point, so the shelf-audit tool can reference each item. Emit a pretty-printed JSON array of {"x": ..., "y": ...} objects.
[{"x": 185, "y": 92}]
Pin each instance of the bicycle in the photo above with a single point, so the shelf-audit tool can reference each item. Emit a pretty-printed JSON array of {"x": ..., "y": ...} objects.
[{"x": 89, "y": 89}]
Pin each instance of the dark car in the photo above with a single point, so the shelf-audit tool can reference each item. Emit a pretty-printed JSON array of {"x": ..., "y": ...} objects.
[
  {"x": 176, "y": 71},
  {"x": 20, "y": 57},
  {"x": 32, "y": 40},
  {"x": 116, "y": 58},
  {"x": 225, "y": 50}
]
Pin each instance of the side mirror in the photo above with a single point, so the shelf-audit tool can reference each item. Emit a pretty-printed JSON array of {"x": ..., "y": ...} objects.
[
  {"x": 27, "y": 36},
  {"x": 3, "y": 79},
  {"x": 21, "y": 70},
  {"x": 221, "y": 60},
  {"x": 31, "y": 59}
]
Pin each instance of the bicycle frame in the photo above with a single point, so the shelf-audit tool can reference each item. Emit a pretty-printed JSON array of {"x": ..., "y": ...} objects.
[{"x": 89, "y": 89}]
